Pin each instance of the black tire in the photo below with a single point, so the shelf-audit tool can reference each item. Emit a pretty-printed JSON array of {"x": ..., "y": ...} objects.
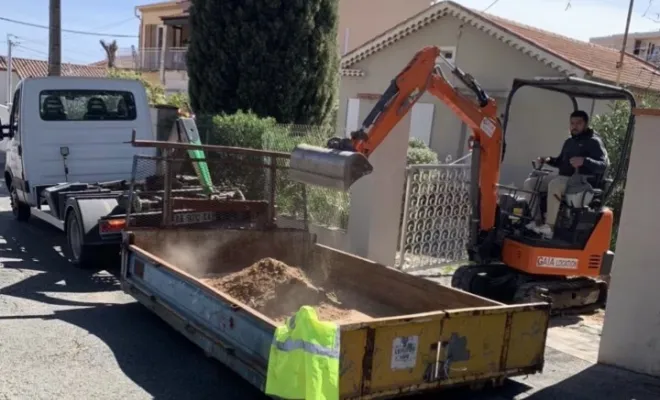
[
  {"x": 81, "y": 255},
  {"x": 20, "y": 210}
]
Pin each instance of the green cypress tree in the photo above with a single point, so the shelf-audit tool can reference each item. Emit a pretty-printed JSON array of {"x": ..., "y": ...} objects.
[{"x": 277, "y": 58}]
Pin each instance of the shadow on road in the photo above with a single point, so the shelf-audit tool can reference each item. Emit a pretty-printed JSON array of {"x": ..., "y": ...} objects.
[
  {"x": 602, "y": 382},
  {"x": 149, "y": 352}
]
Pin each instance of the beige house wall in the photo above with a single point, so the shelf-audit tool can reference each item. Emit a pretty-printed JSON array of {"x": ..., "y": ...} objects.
[
  {"x": 362, "y": 20},
  {"x": 648, "y": 41}
]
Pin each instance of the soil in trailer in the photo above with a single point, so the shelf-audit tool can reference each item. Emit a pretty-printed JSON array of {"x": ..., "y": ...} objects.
[{"x": 278, "y": 290}]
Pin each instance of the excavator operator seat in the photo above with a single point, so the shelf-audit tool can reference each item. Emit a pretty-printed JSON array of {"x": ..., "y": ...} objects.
[{"x": 579, "y": 192}]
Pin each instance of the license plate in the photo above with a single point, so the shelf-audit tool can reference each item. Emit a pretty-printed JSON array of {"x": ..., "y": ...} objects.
[{"x": 193, "y": 218}]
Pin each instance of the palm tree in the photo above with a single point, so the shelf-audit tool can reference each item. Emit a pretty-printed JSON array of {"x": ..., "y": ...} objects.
[{"x": 110, "y": 51}]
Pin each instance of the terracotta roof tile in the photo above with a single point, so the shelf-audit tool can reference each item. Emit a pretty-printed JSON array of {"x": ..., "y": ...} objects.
[
  {"x": 28, "y": 68},
  {"x": 597, "y": 60},
  {"x": 127, "y": 61}
]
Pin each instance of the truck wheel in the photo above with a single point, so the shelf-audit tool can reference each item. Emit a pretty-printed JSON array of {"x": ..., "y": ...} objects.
[
  {"x": 20, "y": 210},
  {"x": 80, "y": 255}
]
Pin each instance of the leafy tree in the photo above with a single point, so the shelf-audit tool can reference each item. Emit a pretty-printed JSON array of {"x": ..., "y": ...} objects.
[{"x": 276, "y": 58}]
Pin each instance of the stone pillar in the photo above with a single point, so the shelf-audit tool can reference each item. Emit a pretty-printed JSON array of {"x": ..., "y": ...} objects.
[
  {"x": 376, "y": 199},
  {"x": 631, "y": 332}
]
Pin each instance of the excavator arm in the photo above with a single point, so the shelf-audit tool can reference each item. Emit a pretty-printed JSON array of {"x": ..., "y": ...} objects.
[{"x": 422, "y": 74}]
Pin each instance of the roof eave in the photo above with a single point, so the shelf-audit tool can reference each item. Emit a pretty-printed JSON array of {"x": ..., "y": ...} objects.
[{"x": 445, "y": 8}]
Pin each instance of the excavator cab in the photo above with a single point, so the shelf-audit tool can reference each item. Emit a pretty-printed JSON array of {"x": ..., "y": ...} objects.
[
  {"x": 585, "y": 195},
  {"x": 515, "y": 265}
]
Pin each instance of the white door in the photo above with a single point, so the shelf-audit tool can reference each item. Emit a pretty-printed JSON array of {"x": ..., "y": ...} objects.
[
  {"x": 352, "y": 116},
  {"x": 421, "y": 122}
]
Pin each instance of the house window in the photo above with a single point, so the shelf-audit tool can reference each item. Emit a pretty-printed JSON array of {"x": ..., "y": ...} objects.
[{"x": 637, "y": 48}]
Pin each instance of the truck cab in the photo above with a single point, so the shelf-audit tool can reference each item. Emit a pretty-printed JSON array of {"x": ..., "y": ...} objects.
[
  {"x": 67, "y": 138},
  {"x": 70, "y": 129}
]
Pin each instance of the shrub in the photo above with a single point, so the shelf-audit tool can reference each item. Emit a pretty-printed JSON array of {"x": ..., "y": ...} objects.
[
  {"x": 155, "y": 92},
  {"x": 245, "y": 129},
  {"x": 420, "y": 155}
]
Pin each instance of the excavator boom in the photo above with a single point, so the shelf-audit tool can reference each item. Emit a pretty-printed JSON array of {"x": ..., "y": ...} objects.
[{"x": 346, "y": 159}]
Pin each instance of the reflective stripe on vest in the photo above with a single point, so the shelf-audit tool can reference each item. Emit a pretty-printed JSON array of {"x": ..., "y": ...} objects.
[{"x": 304, "y": 359}]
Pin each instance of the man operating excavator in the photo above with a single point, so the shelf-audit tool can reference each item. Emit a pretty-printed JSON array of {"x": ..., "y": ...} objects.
[{"x": 583, "y": 153}]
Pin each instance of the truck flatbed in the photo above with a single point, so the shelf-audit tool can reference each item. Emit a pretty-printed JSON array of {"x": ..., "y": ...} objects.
[{"x": 424, "y": 338}]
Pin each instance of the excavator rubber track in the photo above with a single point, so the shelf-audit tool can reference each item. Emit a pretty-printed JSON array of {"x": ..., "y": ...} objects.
[{"x": 567, "y": 296}]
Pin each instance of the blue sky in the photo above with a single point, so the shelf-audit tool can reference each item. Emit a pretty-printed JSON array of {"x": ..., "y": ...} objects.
[
  {"x": 583, "y": 19},
  {"x": 103, "y": 16}
]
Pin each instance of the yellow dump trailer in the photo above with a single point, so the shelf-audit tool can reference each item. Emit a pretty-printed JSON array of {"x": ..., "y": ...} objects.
[{"x": 425, "y": 337}]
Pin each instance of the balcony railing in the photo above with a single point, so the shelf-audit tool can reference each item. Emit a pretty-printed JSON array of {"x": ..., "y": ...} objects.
[
  {"x": 149, "y": 59},
  {"x": 654, "y": 59}
]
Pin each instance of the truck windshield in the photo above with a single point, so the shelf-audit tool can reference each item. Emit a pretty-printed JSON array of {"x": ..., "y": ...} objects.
[{"x": 87, "y": 105}]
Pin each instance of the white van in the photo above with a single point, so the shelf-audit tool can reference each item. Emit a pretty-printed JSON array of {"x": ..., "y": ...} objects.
[{"x": 75, "y": 130}]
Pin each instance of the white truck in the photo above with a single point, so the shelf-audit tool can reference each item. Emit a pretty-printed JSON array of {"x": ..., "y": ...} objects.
[{"x": 69, "y": 157}]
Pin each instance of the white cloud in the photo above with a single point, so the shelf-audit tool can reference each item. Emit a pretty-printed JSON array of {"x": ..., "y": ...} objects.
[{"x": 583, "y": 19}]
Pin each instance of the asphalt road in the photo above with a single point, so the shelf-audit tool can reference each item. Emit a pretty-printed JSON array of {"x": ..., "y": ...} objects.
[
  {"x": 72, "y": 334},
  {"x": 67, "y": 333}
]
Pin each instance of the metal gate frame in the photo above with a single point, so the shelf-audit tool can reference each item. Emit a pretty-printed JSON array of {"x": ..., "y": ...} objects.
[{"x": 435, "y": 227}]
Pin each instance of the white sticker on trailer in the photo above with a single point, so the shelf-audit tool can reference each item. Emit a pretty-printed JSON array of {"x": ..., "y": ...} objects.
[
  {"x": 404, "y": 352},
  {"x": 557, "y": 262}
]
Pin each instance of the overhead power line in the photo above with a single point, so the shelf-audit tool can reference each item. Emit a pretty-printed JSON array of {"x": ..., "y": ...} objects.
[
  {"x": 116, "y": 35},
  {"x": 490, "y": 6}
]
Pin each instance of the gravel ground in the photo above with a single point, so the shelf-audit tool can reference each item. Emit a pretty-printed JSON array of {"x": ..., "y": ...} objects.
[{"x": 72, "y": 334}]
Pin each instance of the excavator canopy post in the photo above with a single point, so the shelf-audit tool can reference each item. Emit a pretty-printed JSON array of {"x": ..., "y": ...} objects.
[{"x": 335, "y": 169}]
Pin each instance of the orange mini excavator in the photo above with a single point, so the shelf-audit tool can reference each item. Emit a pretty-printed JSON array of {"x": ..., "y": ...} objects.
[{"x": 509, "y": 263}]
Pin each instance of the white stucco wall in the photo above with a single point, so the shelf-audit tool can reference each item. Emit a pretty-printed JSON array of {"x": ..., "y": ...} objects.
[{"x": 631, "y": 331}]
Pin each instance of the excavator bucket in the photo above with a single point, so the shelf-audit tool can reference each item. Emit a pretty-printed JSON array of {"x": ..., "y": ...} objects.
[{"x": 329, "y": 168}]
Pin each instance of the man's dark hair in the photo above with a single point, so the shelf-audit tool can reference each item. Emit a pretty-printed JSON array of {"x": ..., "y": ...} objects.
[{"x": 580, "y": 114}]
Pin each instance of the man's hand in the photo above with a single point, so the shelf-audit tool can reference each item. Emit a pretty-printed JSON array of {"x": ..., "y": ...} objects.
[{"x": 577, "y": 162}]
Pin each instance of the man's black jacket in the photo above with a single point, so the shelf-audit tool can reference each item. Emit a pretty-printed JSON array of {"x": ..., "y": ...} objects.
[{"x": 586, "y": 144}]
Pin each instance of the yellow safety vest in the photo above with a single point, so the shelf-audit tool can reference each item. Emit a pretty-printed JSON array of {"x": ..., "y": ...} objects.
[{"x": 304, "y": 359}]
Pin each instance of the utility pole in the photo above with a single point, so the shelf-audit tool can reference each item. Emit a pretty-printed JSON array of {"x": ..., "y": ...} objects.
[
  {"x": 55, "y": 39},
  {"x": 10, "y": 44},
  {"x": 619, "y": 65}
]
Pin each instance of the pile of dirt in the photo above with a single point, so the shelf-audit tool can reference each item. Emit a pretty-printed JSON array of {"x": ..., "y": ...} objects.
[{"x": 278, "y": 290}]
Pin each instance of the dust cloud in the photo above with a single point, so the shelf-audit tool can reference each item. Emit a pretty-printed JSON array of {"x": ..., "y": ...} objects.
[{"x": 194, "y": 258}]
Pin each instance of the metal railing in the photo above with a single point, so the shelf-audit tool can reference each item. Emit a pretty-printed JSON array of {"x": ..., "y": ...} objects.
[{"x": 149, "y": 59}]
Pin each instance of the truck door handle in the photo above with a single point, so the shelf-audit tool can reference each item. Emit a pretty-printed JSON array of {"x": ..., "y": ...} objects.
[{"x": 20, "y": 150}]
